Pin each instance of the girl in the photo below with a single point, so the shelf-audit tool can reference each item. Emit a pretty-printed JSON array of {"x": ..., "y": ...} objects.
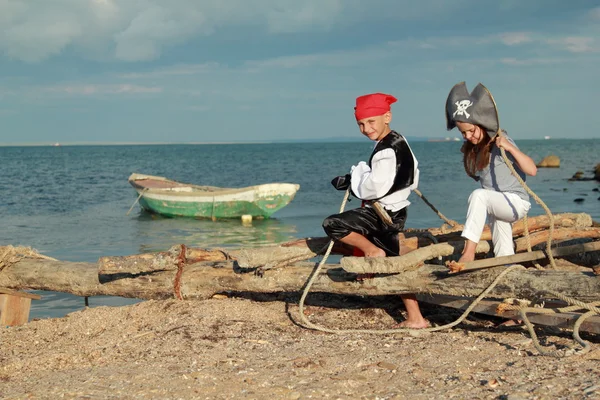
[{"x": 501, "y": 200}]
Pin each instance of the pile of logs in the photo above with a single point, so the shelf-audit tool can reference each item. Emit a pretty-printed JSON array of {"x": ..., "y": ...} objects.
[{"x": 193, "y": 273}]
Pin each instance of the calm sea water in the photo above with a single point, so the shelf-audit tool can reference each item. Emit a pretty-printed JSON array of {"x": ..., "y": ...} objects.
[{"x": 71, "y": 202}]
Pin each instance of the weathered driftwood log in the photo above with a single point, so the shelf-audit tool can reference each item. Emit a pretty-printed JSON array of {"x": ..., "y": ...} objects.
[
  {"x": 414, "y": 259},
  {"x": 407, "y": 262},
  {"x": 303, "y": 249},
  {"x": 490, "y": 307},
  {"x": 250, "y": 258},
  {"x": 162, "y": 261},
  {"x": 523, "y": 257},
  {"x": 205, "y": 279},
  {"x": 306, "y": 248},
  {"x": 300, "y": 250},
  {"x": 558, "y": 235},
  {"x": 567, "y": 220},
  {"x": 297, "y": 250}
]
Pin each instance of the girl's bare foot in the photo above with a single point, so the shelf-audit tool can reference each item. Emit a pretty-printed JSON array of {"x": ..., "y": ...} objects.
[{"x": 457, "y": 266}]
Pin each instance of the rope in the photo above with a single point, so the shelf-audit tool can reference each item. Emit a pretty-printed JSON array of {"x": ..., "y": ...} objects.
[
  {"x": 317, "y": 269},
  {"x": 450, "y": 222},
  {"x": 136, "y": 200},
  {"x": 499, "y": 132},
  {"x": 522, "y": 309},
  {"x": 528, "y": 241},
  {"x": 575, "y": 306},
  {"x": 538, "y": 200}
]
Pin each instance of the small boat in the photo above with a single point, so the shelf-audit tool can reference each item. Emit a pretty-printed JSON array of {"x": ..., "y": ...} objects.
[{"x": 171, "y": 198}]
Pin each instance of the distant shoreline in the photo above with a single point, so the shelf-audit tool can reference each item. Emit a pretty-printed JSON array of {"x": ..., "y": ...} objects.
[{"x": 328, "y": 140}]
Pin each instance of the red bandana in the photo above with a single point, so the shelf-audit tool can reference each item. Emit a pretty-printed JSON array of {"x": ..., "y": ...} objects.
[{"x": 371, "y": 105}]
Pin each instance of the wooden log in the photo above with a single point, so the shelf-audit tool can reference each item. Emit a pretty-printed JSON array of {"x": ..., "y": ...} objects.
[
  {"x": 161, "y": 261},
  {"x": 488, "y": 307},
  {"x": 249, "y": 258},
  {"x": 297, "y": 250},
  {"x": 523, "y": 257},
  {"x": 567, "y": 220},
  {"x": 558, "y": 235},
  {"x": 408, "y": 262},
  {"x": 204, "y": 279}
]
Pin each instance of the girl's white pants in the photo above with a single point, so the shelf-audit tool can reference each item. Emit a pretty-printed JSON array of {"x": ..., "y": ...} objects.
[{"x": 501, "y": 210}]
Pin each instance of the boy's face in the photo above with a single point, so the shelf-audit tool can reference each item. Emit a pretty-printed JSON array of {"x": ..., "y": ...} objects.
[{"x": 375, "y": 128}]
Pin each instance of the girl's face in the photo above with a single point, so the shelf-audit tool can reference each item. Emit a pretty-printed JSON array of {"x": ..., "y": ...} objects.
[{"x": 470, "y": 132}]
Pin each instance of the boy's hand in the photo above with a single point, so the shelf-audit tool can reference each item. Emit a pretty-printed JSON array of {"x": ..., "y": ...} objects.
[{"x": 341, "y": 182}]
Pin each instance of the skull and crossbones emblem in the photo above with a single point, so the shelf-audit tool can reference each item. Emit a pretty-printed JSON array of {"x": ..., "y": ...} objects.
[{"x": 461, "y": 108}]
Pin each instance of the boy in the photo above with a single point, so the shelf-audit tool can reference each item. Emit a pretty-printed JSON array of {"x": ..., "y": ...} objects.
[{"x": 387, "y": 178}]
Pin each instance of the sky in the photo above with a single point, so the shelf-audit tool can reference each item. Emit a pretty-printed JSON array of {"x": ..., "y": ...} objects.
[{"x": 214, "y": 71}]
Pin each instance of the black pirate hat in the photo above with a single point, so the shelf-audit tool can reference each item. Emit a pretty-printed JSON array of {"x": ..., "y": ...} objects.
[{"x": 477, "y": 107}]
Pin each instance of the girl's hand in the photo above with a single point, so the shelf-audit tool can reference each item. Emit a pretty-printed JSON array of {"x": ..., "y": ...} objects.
[
  {"x": 504, "y": 143},
  {"x": 523, "y": 160}
]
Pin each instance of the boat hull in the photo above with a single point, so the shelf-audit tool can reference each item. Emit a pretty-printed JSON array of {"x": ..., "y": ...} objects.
[{"x": 181, "y": 200}]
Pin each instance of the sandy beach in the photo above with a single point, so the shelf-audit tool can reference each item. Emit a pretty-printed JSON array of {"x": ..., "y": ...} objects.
[{"x": 226, "y": 348}]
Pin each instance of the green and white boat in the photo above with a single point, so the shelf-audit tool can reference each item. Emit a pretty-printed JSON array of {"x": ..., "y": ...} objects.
[{"x": 171, "y": 198}]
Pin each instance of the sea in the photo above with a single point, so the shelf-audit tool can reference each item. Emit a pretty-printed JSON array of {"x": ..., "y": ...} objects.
[{"x": 74, "y": 203}]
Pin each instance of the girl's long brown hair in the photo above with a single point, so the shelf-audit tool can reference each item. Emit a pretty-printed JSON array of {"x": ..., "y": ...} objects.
[{"x": 476, "y": 156}]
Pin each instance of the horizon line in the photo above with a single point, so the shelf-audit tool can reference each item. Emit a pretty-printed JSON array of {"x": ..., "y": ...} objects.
[{"x": 58, "y": 144}]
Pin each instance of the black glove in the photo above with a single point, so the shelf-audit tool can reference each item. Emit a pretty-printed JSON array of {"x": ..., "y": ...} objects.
[{"x": 341, "y": 182}]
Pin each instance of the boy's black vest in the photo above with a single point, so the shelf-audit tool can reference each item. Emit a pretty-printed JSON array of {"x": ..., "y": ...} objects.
[{"x": 405, "y": 163}]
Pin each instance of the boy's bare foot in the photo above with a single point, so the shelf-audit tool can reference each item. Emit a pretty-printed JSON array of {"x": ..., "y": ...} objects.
[
  {"x": 414, "y": 324},
  {"x": 376, "y": 252}
]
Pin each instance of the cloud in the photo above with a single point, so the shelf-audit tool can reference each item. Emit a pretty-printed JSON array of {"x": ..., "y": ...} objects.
[
  {"x": 594, "y": 14},
  {"x": 99, "y": 89},
  {"x": 525, "y": 62},
  {"x": 292, "y": 15},
  {"x": 175, "y": 70},
  {"x": 139, "y": 30},
  {"x": 388, "y": 52},
  {"x": 515, "y": 38},
  {"x": 197, "y": 108},
  {"x": 576, "y": 44}
]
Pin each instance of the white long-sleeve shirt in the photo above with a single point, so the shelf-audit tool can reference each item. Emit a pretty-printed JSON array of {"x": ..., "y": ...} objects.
[{"x": 370, "y": 183}]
